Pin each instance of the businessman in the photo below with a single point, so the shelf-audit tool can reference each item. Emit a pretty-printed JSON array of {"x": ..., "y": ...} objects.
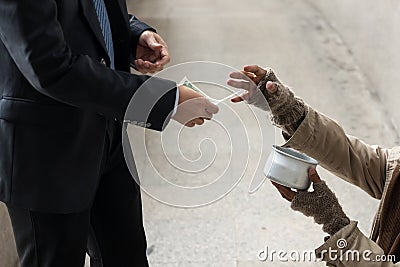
[{"x": 65, "y": 86}]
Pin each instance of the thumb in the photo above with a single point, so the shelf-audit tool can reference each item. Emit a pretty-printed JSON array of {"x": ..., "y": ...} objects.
[
  {"x": 153, "y": 44},
  {"x": 313, "y": 175},
  {"x": 272, "y": 87},
  {"x": 212, "y": 108}
]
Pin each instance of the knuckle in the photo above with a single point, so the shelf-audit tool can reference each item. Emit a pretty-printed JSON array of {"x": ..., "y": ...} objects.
[{"x": 269, "y": 70}]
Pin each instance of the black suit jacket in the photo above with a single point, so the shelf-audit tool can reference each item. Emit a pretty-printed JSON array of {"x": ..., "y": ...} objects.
[{"x": 57, "y": 94}]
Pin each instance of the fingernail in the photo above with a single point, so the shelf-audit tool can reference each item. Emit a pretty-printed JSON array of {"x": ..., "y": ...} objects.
[{"x": 269, "y": 86}]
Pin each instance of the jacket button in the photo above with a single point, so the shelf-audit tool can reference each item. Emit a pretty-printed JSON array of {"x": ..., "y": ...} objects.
[{"x": 103, "y": 61}]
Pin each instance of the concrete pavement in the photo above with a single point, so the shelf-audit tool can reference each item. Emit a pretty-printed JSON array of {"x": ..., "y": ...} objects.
[{"x": 371, "y": 32}]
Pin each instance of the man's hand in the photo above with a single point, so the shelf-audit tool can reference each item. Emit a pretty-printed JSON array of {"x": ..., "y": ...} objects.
[
  {"x": 193, "y": 108},
  {"x": 151, "y": 53}
]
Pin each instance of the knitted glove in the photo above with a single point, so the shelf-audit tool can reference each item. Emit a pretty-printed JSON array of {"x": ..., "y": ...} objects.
[
  {"x": 323, "y": 206},
  {"x": 287, "y": 111}
]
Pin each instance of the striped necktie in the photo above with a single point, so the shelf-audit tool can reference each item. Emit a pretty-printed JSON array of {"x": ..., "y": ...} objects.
[{"x": 105, "y": 28}]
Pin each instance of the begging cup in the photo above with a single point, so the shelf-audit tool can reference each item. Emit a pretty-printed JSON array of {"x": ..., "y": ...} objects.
[{"x": 289, "y": 167}]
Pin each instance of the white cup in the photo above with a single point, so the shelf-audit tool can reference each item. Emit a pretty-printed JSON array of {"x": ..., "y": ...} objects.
[{"x": 289, "y": 167}]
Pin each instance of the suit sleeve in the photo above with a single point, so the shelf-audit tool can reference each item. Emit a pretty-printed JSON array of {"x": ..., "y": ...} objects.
[
  {"x": 346, "y": 156},
  {"x": 136, "y": 27},
  {"x": 34, "y": 39}
]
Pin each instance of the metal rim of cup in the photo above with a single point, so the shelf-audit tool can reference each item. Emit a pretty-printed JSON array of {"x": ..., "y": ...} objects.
[{"x": 285, "y": 151}]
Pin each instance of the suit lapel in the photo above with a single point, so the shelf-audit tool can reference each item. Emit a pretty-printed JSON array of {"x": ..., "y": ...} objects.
[{"x": 91, "y": 16}]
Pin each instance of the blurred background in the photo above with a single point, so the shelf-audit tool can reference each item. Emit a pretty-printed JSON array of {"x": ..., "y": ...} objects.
[{"x": 340, "y": 56}]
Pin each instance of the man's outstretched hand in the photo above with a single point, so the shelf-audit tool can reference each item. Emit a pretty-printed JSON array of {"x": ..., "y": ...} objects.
[
  {"x": 193, "y": 108},
  {"x": 151, "y": 53}
]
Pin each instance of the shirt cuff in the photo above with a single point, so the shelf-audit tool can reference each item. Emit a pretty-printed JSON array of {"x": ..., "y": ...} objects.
[{"x": 176, "y": 102}]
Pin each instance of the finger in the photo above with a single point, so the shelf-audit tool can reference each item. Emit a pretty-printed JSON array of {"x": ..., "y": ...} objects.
[
  {"x": 198, "y": 121},
  {"x": 241, "y": 98},
  {"x": 242, "y": 75},
  {"x": 140, "y": 63},
  {"x": 164, "y": 57},
  {"x": 272, "y": 87},
  {"x": 206, "y": 115},
  {"x": 190, "y": 124},
  {"x": 282, "y": 194},
  {"x": 162, "y": 61},
  {"x": 240, "y": 84},
  {"x": 160, "y": 40},
  {"x": 278, "y": 188},
  {"x": 282, "y": 190},
  {"x": 153, "y": 44},
  {"x": 251, "y": 75},
  {"x": 148, "y": 66},
  {"x": 285, "y": 197},
  {"x": 257, "y": 70},
  {"x": 202, "y": 113},
  {"x": 237, "y": 99},
  {"x": 139, "y": 66},
  {"x": 313, "y": 175},
  {"x": 285, "y": 191},
  {"x": 152, "y": 58},
  {"x": 211, "y": 108}
]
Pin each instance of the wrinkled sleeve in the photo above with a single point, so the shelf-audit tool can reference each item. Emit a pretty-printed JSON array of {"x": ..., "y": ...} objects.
[
  {"x": 350, "y": 247},
  {"x": 346, "y": 156}
]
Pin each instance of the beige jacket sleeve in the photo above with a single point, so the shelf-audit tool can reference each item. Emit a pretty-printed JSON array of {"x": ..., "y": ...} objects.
[
  {"x": 351, "y": 248},
  {"x": 346, "y": 156},
  {"x": 354, "y": 161}
]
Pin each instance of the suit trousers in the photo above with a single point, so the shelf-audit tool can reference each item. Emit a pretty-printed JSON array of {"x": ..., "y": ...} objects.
[{"x": 111, "y": 230}]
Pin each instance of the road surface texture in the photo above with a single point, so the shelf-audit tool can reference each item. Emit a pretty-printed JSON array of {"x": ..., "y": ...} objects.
[
  {"x": 339, "y": 56},
  {"x": 8, "y": 253}
]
